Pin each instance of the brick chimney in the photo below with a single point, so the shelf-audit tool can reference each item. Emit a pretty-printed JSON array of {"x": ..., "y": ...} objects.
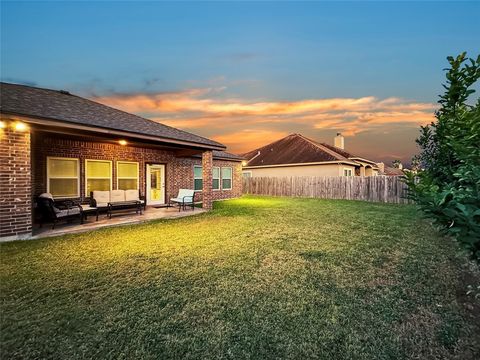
[{"x": 339, "y": 141}]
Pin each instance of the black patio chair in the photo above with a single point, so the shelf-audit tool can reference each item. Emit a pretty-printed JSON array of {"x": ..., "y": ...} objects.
[{"x": 54, "y": 211}]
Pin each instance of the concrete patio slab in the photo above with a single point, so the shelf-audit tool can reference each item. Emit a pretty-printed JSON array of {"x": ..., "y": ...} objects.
[{"x": 90, "y": 224}]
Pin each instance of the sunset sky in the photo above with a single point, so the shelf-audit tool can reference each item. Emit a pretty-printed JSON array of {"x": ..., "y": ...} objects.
[{"x": 246, "y": 74}]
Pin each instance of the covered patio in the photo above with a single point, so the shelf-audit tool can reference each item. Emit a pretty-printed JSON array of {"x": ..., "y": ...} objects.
[{"x": 74, "y": 226}]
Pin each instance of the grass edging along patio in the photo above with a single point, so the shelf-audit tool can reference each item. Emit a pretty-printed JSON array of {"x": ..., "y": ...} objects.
[{"x": 257, "y": 277}]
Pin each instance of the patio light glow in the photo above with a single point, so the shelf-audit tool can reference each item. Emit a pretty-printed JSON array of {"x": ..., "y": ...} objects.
[
  {"x": 3, "y": 124},
  {"x": 122, "y": 142},
  {"x": 20, "y": 126}
]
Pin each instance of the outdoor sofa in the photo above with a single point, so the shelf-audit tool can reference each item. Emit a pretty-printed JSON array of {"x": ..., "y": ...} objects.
[{"x": 117, "y": 200}]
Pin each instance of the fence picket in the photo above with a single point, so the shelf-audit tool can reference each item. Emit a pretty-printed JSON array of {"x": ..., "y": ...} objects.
[{"x": 390, "y": 189}]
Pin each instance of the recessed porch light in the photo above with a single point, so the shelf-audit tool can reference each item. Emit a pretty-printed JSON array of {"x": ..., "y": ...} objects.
[
  {"x": 122, "y": 142},
  {"x": 20, "y": 126}
]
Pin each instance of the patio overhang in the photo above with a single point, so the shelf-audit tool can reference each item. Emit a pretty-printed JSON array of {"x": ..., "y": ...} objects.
[{"x": 63, "y": 127}]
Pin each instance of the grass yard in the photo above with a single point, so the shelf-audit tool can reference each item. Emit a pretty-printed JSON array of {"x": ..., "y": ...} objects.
[{"x": 256, "y": 278}]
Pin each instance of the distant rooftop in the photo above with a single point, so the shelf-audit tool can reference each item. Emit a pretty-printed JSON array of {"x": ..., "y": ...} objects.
[{"x": 297, "y": 149}]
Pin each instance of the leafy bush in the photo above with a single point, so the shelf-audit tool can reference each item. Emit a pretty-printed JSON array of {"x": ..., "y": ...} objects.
[{"x": 448, "y": 187}]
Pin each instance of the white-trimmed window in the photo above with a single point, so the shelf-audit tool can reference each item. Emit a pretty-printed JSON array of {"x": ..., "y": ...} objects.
[
  {"x": 197, "y": 178},
  {"x": 216, "y": 178},
  {"x": 347, "y": 172},
  {"x": 63, "y": 180},
  {"x": 98, "y": 175},
  {"x": 127, "y": 175},
  {"x": 227, "y": 178}
]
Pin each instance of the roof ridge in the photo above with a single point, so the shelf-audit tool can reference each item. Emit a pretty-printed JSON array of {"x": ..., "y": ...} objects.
[
  {"x": 324, "y": 148},
  {"x": 267, "y": 145}
]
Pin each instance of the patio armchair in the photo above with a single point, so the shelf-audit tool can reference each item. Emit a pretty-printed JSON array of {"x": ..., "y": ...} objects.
[
  {"x": 185, "y": 197},
  {"x": 54, "y": 211}
]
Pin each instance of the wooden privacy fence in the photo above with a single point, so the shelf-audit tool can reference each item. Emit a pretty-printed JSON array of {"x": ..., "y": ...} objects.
[{"x": 388, "y": 189}]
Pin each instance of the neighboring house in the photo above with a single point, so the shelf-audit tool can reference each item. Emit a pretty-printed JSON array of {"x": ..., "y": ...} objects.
[
  {"x": 56, "y": 142},
  {"x": 297, "y": 155},
  {"x": 390, "y": 171}
]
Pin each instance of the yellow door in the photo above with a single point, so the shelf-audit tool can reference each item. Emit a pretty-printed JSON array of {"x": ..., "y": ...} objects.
[{"x": 155, "y": 184}]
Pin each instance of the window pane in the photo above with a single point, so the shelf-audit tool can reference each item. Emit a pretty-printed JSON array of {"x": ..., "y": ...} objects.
[
  {"x": 97, "y": 184},
  {"x": 127, "y": 169},
  {"x": 216, "y": 184},
  {"x": 98, "y": 169},
  {"x": 226, "y": 184},
  {"x": 64, "y": 187},
  {"x": 197, "y": 172},
  {"x": 198, "y": 184},
  {"x": 62, "y": 167},
  {"x": 127, "y": 184},
  {"x": 216, "y": 172},
  {"x": 227, "y": 172}
]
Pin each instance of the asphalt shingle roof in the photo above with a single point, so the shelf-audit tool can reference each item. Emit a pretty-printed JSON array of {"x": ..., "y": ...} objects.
[
  {"x": 293, "y": 149},
  {"x": 224, "y": 155},
  {"x": 63, "y": 106}
]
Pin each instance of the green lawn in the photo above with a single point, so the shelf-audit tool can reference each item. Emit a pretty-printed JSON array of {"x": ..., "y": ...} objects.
[{"x": 256, "y": 278}]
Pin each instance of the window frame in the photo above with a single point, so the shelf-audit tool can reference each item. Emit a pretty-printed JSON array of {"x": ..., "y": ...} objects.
[
  {"x": 68, "y": 177},
  {"x": 231, "y": 178},
  {"x": 129, "y": 178},
  {"x": 348, "y": 170},
  {"x": 197, "y": 178},
  {"x": 219, "y": 178},
  {"x": 250, "y": 174},
  {"x": 86, "y": 174}
]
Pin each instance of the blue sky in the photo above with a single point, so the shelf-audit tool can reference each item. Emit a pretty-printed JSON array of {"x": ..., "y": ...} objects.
[{"x": 247, "y": 53}]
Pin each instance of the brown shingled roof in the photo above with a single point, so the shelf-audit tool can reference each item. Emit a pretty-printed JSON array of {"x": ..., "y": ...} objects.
[
  {"x": 223, "y": 155},
  {"x": 65, "y": 107},
  {"x": 391, "y": 171},
  {"x": 293, "y": 149}
]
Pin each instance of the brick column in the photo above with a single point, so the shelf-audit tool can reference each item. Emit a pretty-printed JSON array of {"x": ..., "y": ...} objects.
[
  {"x": 15, "y": 185},
  {"x": 207, "y": 192}
]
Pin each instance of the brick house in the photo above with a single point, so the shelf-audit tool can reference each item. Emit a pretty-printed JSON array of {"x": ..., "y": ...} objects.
[{"x": 56, "y": 142}]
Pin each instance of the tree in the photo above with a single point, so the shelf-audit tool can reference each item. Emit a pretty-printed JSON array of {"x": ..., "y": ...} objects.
[
  {"x": 396, "y": 163},
  {"x": 448, "y": 187}
]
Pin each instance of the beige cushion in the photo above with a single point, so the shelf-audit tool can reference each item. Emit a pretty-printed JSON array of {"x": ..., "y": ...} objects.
[
  {"x": 46, "y": 196},
  {"x": 101, "y": 196},
  {"x": 131, "y": 195},
  {"x": 67, "y": 212},
  {"x": 185, "y": 193},
  {"x": 117, "y": 195}
]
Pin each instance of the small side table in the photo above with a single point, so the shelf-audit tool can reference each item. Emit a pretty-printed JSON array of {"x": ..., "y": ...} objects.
[{"x": 87, "y": 209}]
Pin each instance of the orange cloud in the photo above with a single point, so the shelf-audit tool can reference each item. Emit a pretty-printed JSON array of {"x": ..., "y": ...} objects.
[
  {"x": 244, "y": 125},
  {"x": 253, "y": 137}
]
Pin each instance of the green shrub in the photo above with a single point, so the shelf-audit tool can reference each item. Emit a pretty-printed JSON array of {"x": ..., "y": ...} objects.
[{"x": 447, "y": 188}]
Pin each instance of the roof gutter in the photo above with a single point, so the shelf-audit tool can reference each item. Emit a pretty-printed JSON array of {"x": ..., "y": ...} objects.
[
  {"x": 364, "y": 160},
  {"x": 70, "y": 125}
]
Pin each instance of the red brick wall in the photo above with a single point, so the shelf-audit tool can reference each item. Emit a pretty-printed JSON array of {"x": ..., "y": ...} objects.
[
  {"x": 207, "y": 191},
  {"x": 179, "y": 171},
  {"x": 15, "y": 184}
]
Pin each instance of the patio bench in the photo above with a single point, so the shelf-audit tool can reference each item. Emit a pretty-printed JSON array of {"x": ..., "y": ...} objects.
[
  {"x": 116, "y": 199},
  {"x": 185, "y": 197},
  {"x": 54, "y": 211}
]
